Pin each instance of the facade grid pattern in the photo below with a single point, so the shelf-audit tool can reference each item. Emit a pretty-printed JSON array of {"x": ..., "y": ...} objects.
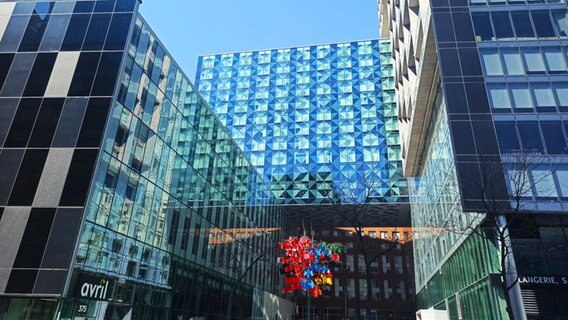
[{"x": 318, "y": 122}]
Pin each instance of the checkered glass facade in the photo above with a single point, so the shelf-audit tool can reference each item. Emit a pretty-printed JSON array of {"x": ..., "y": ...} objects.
[{"x": 319, "y": 122}]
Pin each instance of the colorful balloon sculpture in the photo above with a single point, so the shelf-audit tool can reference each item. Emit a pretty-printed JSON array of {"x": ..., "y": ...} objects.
[{"x": 306, "y": 264}]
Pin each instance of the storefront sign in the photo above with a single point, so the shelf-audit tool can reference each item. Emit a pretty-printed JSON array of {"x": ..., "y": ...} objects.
[
  {"x": 89, "y": 287},
  {"x": 544, "y": 280}
]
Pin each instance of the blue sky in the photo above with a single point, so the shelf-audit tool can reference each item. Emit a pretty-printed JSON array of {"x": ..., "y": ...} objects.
[{"x": 190, "y": 28}]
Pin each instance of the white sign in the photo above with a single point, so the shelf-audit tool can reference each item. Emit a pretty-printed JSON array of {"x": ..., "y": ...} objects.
[
  {"x": 544, "y": 280},
  {"x": 98, "y": 291}
]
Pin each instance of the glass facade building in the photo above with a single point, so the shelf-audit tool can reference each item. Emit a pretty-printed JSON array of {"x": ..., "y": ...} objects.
[
  {"x": 317, "y": 121},
  {"x": 121, "y": 194},
  {"x": 481, "y": 85}
]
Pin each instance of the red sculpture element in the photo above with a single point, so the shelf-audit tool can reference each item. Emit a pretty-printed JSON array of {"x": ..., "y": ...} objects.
[{"x": 306, "y": 264}]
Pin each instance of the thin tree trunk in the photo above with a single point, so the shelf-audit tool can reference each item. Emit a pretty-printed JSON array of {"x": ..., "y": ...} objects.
[
  {"x": 236, "y": 285},
  {"x": 504, "y": 248},
  {"x": 505, "y": 284}
]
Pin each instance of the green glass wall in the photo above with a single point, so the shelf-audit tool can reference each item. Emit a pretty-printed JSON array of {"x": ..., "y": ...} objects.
[
  {"x": 176, "y": 213},
  {"x": 456, "y": 264}
]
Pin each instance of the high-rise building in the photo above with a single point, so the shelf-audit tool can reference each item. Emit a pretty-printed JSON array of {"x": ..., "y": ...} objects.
[
  {"x": 319, "y": 122},
  {"x": 482, "y": 94},
  {"x": 121, "y": 194}
]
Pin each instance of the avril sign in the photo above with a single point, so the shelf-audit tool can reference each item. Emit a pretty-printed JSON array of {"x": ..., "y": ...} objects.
[{"x": 92, "y": 288}]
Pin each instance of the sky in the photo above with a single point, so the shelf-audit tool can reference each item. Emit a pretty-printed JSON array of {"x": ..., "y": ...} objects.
[{"x": 191, "y": 28}]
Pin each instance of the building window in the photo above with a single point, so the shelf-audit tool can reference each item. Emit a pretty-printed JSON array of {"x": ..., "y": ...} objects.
[
  {"x": 513, "y": 62},
  {"x": 523, "y": 25},
  {"x": 503, "y": 29},
  {"x": 543, "y": 94},
  {"x": 521, "y": 95},
  {"x": 533, "y": 60},
  {"x": 491, "y": 62},
  {"x": 560, "y": 18}
]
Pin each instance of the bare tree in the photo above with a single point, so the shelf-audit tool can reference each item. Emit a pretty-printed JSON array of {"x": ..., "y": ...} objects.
[
  {"x": 501, "y": 195},
  {"x": 247, "y": 251},
  {"x": 356, "y": 207}
]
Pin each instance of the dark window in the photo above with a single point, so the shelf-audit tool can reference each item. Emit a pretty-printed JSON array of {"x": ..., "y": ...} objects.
[
  {"x": 455, "y": 98},
  {"x": 502, "y": 23},
  {"x": 84, "y": 74},
  {"x": 55, "y": 32},
  {"x": 46, "y": 123},
  {"x": 439, "y": 3},
  {"x": 458, "y": 3},
  {"x": 59, "y": 250},
  {"x": 96, "y": 35},
  {"x": 482, "y": 26},
  {"x": 185, "y": 236},
  {"x": 196, "y": 237},
  {"x": 542, "y": 23},
  {"x": 463, "y": 26},
  {"x": 157, "y": 69},
  {"x": 468, "y": 171},
  {"x": 444, "y": 27},
  {"x": 485, "y": 137},
  {"x": 507, "y": 136},
  {"x": 50, "y": 282},
  {"x": 472, "y": 67},
  {"x": 84, "y": 6},
  {"x": 24, "y": 189},
  {"x": 94, "y": 123},
  {"x": 21, "y": 281},
  {"x": 23, "y": 123},
  {"x": 522, "y": 23},
  {"x": 530, "y": 137},
  {"x": 34, "y": 239},
  {"x": 7, "y": 110},
  {"x": 118, "y": 31},
  {"x": 125, "y": 5},
  {"x": 104, "y": 6},
  {"x": 76, "y": 32},
  {"x": 34, "y": 32},
  {"x": 134, "y": 40},
  {"x": 70, "y": 123},
  {"x": 529, "y": 256},
  {"x": 9, "y": 164},
  {"x": 39, "y": 76},
  {"x": 555, "y": 249},
  {"x": 561, "y": 22},
  {"x": 78, "y": 178},
  {"x": 16, "y": 80},
  {"x": 174, "y": 226},
  {"x": 5, "y": 63},
  {"x": 463, "y": 137},
  {"x": 450, "y": 62},
  {"x": 554, "y": 137},
  {"x": 477, "y": 97},
  {"x": 14, "y": 33},
  {"x": 105, "y": 81}
]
